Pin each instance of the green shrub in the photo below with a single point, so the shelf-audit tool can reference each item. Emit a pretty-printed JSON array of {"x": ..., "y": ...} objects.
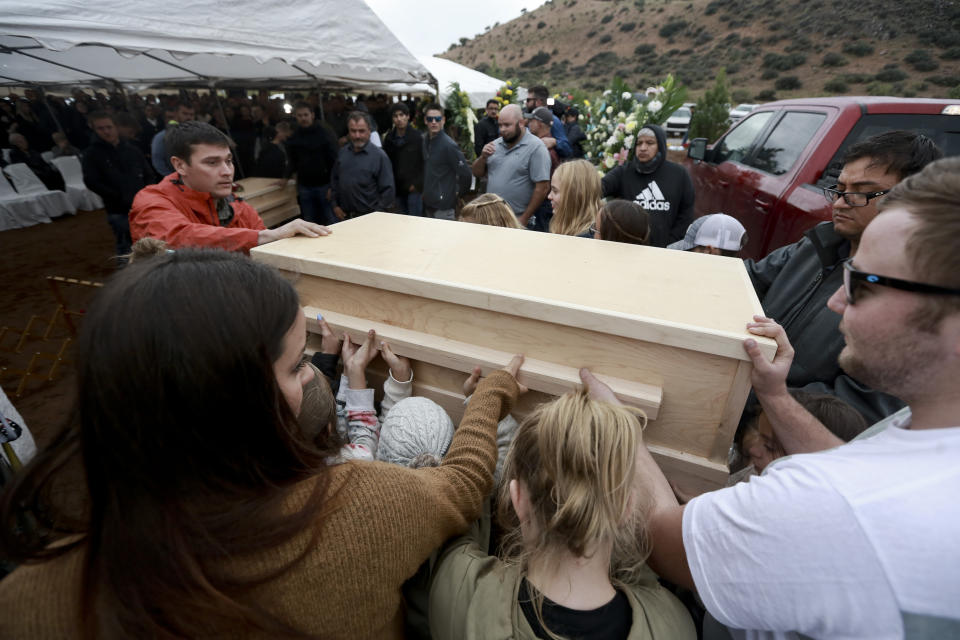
[
  {"x": 712, "y": 115},
  {"x": 953, "y": 53},
  {"x": 787, "y": 83},
  {"x": 541, "y": 24},
  {"x": 954, "y": 94},
  {"x": 673, "y": 27},
  {"x": 879, "y": 89},
  {"x": 859, "y": 49},
  {"x": 834, "y": 60},
  {"x": 591, "y": 34},
  {"x": 644, "y": 50},
  {"x": 605, "y": 38},
  {"x": 769, "y": 74},
  {"x": 767, "y": 95},
  {"x": 835, "y": 85},
  {"x": 607, "y": 18},
  {"x": 605, "y": 58},
  {"x": 941, "y": 36},
  {"x": 783, "y": 62},
  {"x": 945, "y": 81},
  {"x": 740, "y": 95},
  {"x": 856, "y": 78},
  {"x": 921, "y": 60},
  {"x": 628, "y": 26},
  {"x": 539, "y": 59},
  {"x": 890, "y": 75}
]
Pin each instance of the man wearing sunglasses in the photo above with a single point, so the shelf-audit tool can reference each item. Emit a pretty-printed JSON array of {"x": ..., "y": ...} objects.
[
  {"x": 446, "y": 173},
  {"x": 794, "y": 282},
  {"x": 854, "y": 540}
]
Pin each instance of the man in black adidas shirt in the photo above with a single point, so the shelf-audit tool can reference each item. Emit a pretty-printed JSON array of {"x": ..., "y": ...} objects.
[{"x": 661, "y": 187}]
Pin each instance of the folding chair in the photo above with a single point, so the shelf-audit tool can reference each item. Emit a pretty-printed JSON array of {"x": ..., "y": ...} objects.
[
  {"x": 26, "y": 182},
  {"x": 18, "y": 211},
  {"x": 81, "y": 197},
  {"x": 47, "y": 156}
]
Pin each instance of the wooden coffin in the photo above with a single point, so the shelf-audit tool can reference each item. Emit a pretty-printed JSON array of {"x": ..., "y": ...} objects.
[
  {"x": 274, "y": 204},
  {"x": 663, "y": 328}
]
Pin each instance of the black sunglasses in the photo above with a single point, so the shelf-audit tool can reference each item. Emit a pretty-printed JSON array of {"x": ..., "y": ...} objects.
[
  {"x": 852, "y": 279},
  {"x": 433, "y": 118}
]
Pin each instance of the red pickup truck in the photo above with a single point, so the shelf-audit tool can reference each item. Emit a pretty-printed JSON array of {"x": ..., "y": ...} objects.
[{"x": 768, "y": 170}]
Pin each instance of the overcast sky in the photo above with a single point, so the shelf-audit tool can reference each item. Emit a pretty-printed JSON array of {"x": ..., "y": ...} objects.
[{"x": 429, "y": 27}]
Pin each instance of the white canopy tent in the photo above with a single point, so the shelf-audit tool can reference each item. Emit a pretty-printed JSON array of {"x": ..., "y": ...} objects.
[
  {"x": 328, "y": 43},
  {"x": 479, "y": 86}
]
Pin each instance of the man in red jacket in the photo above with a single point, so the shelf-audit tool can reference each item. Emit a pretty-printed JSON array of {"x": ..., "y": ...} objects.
[{"x": 195, "y": 207}]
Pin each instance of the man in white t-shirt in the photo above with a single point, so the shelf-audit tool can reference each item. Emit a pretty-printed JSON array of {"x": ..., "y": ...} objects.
[{"x": 860, "y": 540}]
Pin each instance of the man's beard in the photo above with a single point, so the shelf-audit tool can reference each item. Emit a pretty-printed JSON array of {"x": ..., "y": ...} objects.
[{"x": 513, "y": 135}]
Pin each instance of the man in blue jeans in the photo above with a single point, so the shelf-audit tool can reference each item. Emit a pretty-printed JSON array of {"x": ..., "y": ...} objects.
[
  {"x": 115, "y": 170},
  {"x": 404, "y": 146},
  {"x": 312, "y": 152}
]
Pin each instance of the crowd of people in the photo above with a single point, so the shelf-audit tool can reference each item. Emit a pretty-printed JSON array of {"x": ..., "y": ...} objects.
[{"x": 235, "y": 487}]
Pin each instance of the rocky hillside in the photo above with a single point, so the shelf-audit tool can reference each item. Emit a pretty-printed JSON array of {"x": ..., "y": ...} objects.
[{"x": 771, "y": 49}]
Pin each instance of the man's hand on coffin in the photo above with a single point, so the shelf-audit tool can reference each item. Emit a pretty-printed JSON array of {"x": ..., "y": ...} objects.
[
  {"x": 597, "y": 390},
  {"x": 330, "y": 344},
  {"x": 340, "y": 213},
  {"x": 293, "y": 228},
  {"x": 399, "y": 366},
  {"x": 357, "y": 357},
  {"x": 769, "y": 378}
]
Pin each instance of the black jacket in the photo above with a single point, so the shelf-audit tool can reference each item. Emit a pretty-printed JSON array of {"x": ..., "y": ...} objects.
[
  {"x": 662, "y": 187},
  {"x": 116, "y": 174},
  {"x": 272, "y": 162},
  {"x": 406, "y": 158},
  {"x": 486, "y": 130},
  {"x": 446, "y": 173},
  {"x": 794, "y": 283},
  {"x": 311, "y": 154},
  {"x": 575, "y": 136}
]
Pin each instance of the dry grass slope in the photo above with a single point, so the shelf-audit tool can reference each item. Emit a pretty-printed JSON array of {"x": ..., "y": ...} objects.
[{"x": 770, "y": 48}]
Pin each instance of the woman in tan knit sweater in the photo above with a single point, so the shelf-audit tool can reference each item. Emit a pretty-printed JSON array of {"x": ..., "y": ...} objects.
[{"x": 211, "y": 513}]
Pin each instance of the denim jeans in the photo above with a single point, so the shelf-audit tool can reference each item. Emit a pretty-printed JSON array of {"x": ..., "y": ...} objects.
[
  {"x": 120, "y": 225},
  {"x": 410, "y": 203},
  {"x": 314, "y": 206}
]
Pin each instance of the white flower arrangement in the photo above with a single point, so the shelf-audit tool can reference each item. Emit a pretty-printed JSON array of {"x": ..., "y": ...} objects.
[{"x": 613, "y": 120}]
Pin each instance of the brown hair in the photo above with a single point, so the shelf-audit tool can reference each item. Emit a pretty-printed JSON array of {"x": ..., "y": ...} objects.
[
  {"x": 580, "y": 194},
  {"x": 932, "y": 197},
  {"x": 624, "y": 221},
  {"x": 490, "y": 209},
  {"x": 190, "y": 451}
]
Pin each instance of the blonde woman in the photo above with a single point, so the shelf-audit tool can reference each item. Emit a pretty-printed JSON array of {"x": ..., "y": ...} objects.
[
  {"x": 490, "y": 209},
  {"x": 574, "y": 560},
  {"x": 575, "y": 192}
]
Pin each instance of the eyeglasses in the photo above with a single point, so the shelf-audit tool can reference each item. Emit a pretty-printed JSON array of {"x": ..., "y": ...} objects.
[
  {"x": 853, "y": 279},
  {"x": 593, "y": 229},
  {"x": 433, "y": 118},
  {"x": 852, "y": 198}
]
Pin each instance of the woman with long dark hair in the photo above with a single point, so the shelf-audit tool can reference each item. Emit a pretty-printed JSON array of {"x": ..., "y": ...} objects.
[{"x": 211, "y": 512}]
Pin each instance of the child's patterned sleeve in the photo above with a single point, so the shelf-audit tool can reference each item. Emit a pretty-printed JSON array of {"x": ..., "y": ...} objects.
[{"x": 357, "y": 421}]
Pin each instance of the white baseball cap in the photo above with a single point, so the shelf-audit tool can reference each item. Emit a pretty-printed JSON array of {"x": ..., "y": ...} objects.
[{"x": 720, "y": 231}]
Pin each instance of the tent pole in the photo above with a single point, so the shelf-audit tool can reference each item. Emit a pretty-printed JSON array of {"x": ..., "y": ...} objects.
[{"x": 223, "y": 115}]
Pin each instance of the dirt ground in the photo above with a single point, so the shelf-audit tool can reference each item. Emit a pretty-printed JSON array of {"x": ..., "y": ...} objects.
[{"x": 78, "y": 247}]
